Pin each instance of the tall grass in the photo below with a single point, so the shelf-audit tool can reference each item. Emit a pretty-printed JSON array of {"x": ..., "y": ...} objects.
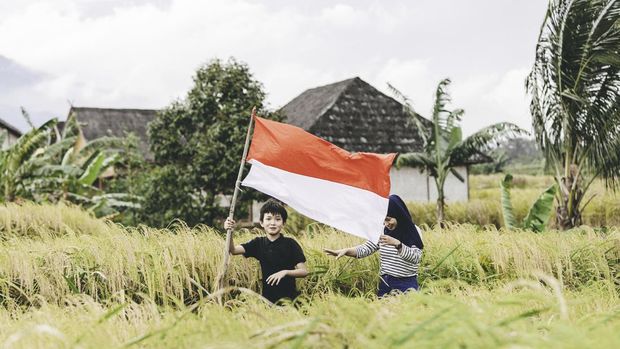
[
  {"x": 70, "y": 280},
  {"x": 528, "y": 313},
  {"x": 180, "y": 264}
]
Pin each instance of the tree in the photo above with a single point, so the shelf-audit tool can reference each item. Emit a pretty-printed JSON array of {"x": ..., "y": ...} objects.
[
  {"x": 574, "y": 86},
  {"x": 198, "y": 142},
  {"x": 443, "y": 146}
]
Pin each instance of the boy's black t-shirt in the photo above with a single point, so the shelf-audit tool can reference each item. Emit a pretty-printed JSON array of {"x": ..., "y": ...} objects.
[{"x": 281, "y": 254}]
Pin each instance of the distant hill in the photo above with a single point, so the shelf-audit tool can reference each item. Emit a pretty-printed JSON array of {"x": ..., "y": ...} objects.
[{"x": 516, "y": 155}]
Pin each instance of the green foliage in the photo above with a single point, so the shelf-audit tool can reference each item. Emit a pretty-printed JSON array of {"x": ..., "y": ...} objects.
[
  {"x": 509, "y": 219},
  {"x": 17, "y": 160},
  {"x": 443, "y": 145},
  {"x": 482, "y": 207},
  {"x": 44, "y": 168},
  {"x": 537, "y": 216},
  {"x": 575, "y": 89},
  {"x": 198, "y": 143},
  {"x": 132, "y": 176},
  {"x": 514, "y": 155}
]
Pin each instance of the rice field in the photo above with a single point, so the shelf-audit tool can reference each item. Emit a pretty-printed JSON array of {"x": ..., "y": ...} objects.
[
  {"x": 484, "y": 208},
  {"x": 68, "y": 280}
]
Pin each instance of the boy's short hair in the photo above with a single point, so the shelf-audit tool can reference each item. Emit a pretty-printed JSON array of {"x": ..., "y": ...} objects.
[{"x": 274, "y": 207}]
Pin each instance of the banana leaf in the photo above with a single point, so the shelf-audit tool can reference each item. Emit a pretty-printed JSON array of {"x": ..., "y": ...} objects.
[
  {"x": 509, "y": 219},
  {"x": 539, "y": 213}
]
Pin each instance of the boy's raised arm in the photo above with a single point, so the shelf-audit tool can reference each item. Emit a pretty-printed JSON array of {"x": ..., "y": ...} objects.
[{"x": 234, "y": 250}]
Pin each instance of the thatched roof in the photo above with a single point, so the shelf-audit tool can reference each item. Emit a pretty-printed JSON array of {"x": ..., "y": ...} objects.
[
  {"x": 10, "y": 128},
  {"x": 357, "y": 117},
  {"x": 99, "y": 122}
]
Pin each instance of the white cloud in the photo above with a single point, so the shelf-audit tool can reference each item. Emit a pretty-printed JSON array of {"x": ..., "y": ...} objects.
[
  {"x": 413, "y": 78},
  {"x": 492, "y": 98},
  {"x": 143, "y": 53}
]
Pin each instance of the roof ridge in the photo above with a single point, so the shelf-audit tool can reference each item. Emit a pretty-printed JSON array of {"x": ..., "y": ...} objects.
[
  {"x": 305, "y": 109},
  {"x": 10, "y": 127},
  {"x": 337, "y": 95}
]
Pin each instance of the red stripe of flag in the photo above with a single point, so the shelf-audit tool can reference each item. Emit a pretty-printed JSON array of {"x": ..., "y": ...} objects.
[{"x": 292, "y": 149}]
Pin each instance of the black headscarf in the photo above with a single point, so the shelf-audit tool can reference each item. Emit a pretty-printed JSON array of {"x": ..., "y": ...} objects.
[{"x": 406, "y": 231}]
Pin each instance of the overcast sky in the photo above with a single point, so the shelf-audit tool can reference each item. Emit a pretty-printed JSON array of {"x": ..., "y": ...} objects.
[{"x": 142, "y": 54}]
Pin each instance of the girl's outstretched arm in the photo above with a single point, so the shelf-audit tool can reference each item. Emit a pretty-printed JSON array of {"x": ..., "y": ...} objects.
[{"x": 350, "y": 251}]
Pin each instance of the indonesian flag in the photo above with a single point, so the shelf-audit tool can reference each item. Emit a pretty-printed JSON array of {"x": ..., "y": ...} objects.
[{"x": 348, "y": 191}]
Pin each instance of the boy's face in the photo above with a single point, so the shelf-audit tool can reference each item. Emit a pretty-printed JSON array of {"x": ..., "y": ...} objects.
[{"x": 272, "y": 223}]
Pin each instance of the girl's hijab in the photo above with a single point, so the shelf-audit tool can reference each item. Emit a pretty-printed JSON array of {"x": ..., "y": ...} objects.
[{"x": 406, "y": 231}]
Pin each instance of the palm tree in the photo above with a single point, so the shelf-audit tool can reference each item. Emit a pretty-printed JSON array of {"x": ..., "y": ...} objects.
[
  {"x": 575, "y": 87},
  {"x": 443, "y": 145}
]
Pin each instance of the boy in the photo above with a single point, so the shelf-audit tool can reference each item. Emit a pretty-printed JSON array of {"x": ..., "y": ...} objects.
[{"x": 281, "y": 258}]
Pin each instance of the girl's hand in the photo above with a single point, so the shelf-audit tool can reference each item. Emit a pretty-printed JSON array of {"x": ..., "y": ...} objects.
[
  {"x": 388, "y": 240},
  {"x": 336, "y": 253}
]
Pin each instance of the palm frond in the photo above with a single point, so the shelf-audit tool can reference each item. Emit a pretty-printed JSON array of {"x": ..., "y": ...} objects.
[
  {"x": 483, "y": 140},
  {"x": 575, "y": 81},
  {"x": 26, "y": 116},
  {"x": 456, "y": 174},
  {"x": 414, "y": 160}
]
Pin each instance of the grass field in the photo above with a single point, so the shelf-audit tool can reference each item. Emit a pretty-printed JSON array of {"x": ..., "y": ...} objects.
[
  {"x": 68, "y": 280},
  {"x": 484, "y": 206}
]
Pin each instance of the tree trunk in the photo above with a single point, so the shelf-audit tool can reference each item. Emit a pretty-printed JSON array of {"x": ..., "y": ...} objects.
[
  {"x": 440, "y": 209},
  {"x": 8, "y": 193},
  {"x": 568, "y": 213}
]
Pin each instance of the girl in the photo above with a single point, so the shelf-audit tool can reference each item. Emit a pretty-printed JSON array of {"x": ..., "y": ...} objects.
[{"x": 400, "y": 249}]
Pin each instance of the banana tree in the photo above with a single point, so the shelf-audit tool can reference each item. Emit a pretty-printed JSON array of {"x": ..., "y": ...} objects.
[
  {"x": 44, "y": 166},
  {"x": 444, "y": 147},
  {"x": 82, "y": 163},
  {"x": 539, "y": 213},
  {"x": 17, "y": 159}
]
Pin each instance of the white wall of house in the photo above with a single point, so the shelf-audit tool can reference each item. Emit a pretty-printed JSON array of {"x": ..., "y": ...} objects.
[
  {"x": 9, "y": 140},
  {"x": 411, "y": 184}
]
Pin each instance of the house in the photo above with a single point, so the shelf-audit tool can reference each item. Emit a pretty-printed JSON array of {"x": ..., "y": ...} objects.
[
  {"x": 100, "y": 122},
  {"x": 12, "y": 134},
  {"x": 357, "y": 117}
]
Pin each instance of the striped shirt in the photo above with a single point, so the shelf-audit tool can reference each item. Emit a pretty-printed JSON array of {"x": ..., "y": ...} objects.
[{"x": 403, "y": 263}]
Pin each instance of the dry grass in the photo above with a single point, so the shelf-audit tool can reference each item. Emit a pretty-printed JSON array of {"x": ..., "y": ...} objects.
[
  {"x": 525, "y": 313},
  {"x": 180, "y": 264},
  {"x": 69, "y": 280}
]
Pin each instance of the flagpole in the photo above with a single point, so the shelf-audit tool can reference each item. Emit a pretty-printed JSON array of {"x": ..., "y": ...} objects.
[{"x": 222, "y": 275}]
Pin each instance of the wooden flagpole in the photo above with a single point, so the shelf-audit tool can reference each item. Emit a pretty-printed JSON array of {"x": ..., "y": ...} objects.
[{"x": 222, "y": 275}]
